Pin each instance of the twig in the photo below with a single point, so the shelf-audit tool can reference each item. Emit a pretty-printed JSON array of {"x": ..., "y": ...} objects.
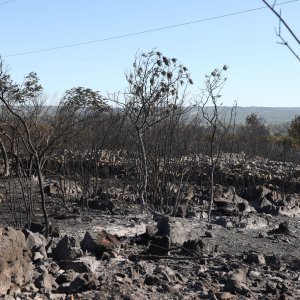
[
  {"x": 278, "y": 33},
  {"x": 157, "y": 257},
  {"x": 283, "y": 21},
  {"x": 285, "y": 43}
]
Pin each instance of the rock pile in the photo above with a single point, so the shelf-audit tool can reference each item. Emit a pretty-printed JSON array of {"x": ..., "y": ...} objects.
[
  {"x": 250, "y": 250},
  {"x": 254, "y": 258}
]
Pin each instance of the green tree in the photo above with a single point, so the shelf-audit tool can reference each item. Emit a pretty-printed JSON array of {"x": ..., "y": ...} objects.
[
  {"x": 254, "y": 135},
  {"x": 294, "y": 130}
]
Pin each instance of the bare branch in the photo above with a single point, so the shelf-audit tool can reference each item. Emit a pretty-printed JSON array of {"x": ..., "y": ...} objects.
[
  {"x": 278, "y": 33},
  {"x": 285, "y": 43},
  {"x": 283, "y": 22}
]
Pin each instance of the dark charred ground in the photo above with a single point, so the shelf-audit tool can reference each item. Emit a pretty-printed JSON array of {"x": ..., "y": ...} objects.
[{"x": 245, "y": 252}]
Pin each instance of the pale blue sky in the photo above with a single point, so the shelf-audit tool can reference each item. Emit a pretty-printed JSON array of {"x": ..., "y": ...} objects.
[{"x": 261, "y": 72}]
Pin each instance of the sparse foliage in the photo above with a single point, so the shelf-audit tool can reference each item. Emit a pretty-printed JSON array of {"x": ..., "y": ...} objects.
[
  {"x": 83, "y": 98},
  {"x": 294, "y": 130},
  {"x": 24, "y": 116},
  {"x": 217, "y": 125},
  {"x": 157, "y": 88},
  {"x": 254, "y": 135}
]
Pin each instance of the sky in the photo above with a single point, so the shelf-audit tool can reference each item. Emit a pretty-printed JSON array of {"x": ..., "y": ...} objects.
[{"x": 261, "y": 72}]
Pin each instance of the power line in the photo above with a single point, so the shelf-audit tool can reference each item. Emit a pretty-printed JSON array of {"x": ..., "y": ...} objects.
[
  {"x": 6, "y": 2},
  {"x": 145, "y": 31}
]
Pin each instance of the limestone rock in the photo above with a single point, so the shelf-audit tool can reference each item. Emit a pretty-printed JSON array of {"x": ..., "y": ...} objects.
[
  {"x": 273, "y": 261},
  {"x": 34, "y": 227},
  {"x": 255, "y": 258},
  {"x": 198, "y": 246},
  {"x": 36, "y": 242},
  {"x": 100, "y": 242},
  {"x": 176, "y": 229},
  {"x": 15, "y": 263},
  {"x": 46, "y": 281},
  {"x": 181, "y": 211},
  {"x": 159, "y": 245},
  {"x": 226, "y": 296},
  {"x": 75, "y": 265},
  {"x": 66, "y": 277},
  {"x": 83, "y": 282},
  {"x": 67, "y": 249}
]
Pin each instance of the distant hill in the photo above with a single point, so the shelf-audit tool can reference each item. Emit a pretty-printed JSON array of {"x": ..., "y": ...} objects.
[{"x": 271, "y": 115}]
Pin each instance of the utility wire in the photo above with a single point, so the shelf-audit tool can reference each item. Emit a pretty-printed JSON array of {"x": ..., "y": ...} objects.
[
  {"x": 6, "y": 2},
  {"x": 145, "y": 31}
]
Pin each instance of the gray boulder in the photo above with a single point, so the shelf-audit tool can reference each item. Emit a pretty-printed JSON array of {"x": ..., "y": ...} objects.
[
  {"x": 159, "y": 245},
  {"x": 83, "y": 282},
  {"x": 36, "y": 242},
  {"x": 177, "y": 229},
  {"x": 67, "y": 249},
  {"x": 100, "y": 242},
  {"x": 46, "y": 282},
  {"x": 15, "y": 260}
]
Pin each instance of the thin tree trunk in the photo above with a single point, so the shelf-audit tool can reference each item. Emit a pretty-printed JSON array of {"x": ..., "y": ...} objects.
[
  {"x": 143, "y": 189},
  {"x": 5, "y": 158},
  {"x": 211, "y": 192},
  {"x": 96, "y": 176},
  {"x": 43, "y": 200}
]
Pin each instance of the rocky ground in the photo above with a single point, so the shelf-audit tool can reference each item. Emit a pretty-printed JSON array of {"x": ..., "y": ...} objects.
[{"x": 249, "y": 250}]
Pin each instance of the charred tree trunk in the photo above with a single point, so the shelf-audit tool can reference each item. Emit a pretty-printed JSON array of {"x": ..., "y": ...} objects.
[{"x": 5, "y": 158}]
